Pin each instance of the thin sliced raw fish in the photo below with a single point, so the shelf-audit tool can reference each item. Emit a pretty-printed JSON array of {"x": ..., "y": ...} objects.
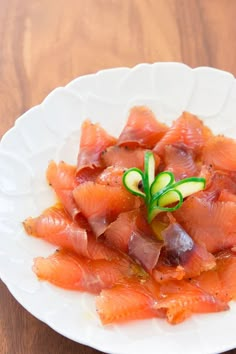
[
  {"x": 61, "y": 177},
  {"x": 111, "y": 176},
  {"x": 119, "y": 232},
  {"x": 181, "y": 299},
  {"x": 87, "y": 174},
  {"x": 212, "y": 224},
  {"x": 70, "y": 271},
  {"x": 125, "y": 157},
  {"x": 175, "y": 300},
  {"x": 165, "y": 272},
  {"x": 182, "y": 250},
  {"x": 220, "y": 152},
  {"x": 220, "y": 281},
  {"x": 102, "y": 204},
  {"x": 226, "y": 196},
  {"x": 217, "y": 181},
  {"x": 128, "y": 301},
  {"x": 94, "y": 139},
  {"x": 97, "y": 249},
  {"x": 180, "y": 160},
  {"x": 145, "y": 250},
  {"x": 142, "y": 129},
  {"x": 54, "y": 225},
  {"x": 187, "y": 129}
]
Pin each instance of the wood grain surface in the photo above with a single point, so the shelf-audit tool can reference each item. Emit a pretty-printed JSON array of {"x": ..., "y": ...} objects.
[{"x": 47, "y": 43}]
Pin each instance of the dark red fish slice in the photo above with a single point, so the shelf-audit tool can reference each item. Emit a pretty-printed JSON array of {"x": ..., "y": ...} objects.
[
  {"x": 145, "y": 250},
  {"x": 182, "y": 250}
]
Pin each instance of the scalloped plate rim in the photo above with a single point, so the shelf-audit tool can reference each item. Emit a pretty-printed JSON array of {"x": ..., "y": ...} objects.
[{"x": 8, "y": 281}]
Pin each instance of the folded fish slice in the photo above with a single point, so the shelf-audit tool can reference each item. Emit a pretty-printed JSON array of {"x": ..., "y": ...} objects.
[
  {"x": 142, "y": 129},
  {"x": 187, "y": 129},
  {"x": 220, "y": 281},
  {"x": 180, "y": 161},
  {"x": 102, "y": 204},
  {"x": 181, "y": 306},
  {"x": 145, "y": 250},
  {"x": 119, "y": 232},
  {"x": 94, "y": 139},
  {"x": 62, "y": 178},
  {"x": 71, "y": 271},
  {"x": 182, "y": 250},
  {"x": 111, "y": 176},
  {"x": 54, "y": 225},
  {"x": 128, "y": 301},
  {"x": 220, "y": 152},
  {"x": 209, "y": 223}
]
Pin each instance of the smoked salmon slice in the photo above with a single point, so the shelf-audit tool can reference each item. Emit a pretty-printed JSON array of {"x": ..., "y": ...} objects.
[
  {"x": 94, "y": 139},
  {"x": 111, "y": 176},
  {"x": 220, "y": 281},
  {"x": 61, "y": 177},
  {"x": 128, "y": 301},
  {"x": 119, "y": 232},
  {"x": 176, "y": 300},
  {"x": 165, "y": 272},
  {"x": 144, "y": 250},
  {"x": 226, "y": 196},
  {"x": 125, "y": 157},
  {"x": 180, "y": 160},
  {"x": 54, "y": 225},
  {"x": 102, "y": 204},
  {"x": 70, "y": 271},
  {"x": 220, "y": 152},
  {"x": 180, "y": 249},
  {"x": 187, "y": 129},
  {"x": 142, "y": 129},
  {"x": 181, "y": 299},
  {"x": 209, "y": 223},
  {"x": 220, "y": 185}
]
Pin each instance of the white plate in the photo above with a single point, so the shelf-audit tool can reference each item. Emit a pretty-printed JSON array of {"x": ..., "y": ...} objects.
[{"x": 51, "y": 131}]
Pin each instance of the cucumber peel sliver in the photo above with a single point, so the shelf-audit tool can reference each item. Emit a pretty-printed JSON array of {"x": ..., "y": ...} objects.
[{"x": 162, "y": 190}]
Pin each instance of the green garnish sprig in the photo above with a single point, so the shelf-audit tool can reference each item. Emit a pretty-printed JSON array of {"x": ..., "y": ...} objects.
[{"x": 161, "y": 190}]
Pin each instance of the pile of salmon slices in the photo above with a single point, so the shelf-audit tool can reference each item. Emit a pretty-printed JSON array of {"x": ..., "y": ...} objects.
[{"x": 180, "y": 260}]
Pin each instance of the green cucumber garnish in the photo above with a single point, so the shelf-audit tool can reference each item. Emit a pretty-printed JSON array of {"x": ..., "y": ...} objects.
[
  {"x": 161, "y": 193},
  {"x": 132, "y": 180}
]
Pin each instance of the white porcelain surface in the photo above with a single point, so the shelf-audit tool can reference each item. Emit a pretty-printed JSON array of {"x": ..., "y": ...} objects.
[{"x": 51, "y": 131}]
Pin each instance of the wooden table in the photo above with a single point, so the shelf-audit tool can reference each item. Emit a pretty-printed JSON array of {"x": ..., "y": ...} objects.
[{"x": 47, "y": 43}]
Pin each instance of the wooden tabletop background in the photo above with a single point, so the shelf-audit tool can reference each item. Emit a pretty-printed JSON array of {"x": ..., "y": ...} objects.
[{"x": 47, "y": 43}]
